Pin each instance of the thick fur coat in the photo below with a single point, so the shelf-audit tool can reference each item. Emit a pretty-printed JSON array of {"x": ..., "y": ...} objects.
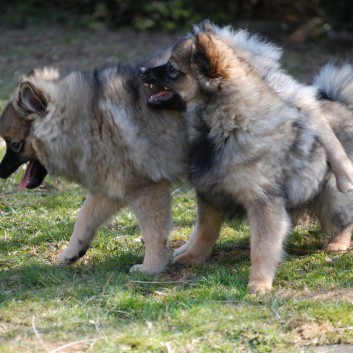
[
  {"x": 259, "y": 142},
  {"x": 95, "y": 129}
]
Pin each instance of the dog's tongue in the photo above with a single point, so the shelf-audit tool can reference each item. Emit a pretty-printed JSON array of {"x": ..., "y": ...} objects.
[
  {"x": 161, "y": 96},
  {"x": 25, "y": 180}
]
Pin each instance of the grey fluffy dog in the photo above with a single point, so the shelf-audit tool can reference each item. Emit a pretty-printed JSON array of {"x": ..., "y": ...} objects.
[
  {"x": 95, "y": 129},
  {"x": 260, "y": 141}
]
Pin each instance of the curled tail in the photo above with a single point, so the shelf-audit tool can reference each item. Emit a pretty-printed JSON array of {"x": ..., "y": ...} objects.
[{"x": 335, "y": 82}]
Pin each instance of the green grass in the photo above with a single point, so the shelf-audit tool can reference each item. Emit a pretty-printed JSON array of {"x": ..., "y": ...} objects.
[{"x": 97, "y": 306}]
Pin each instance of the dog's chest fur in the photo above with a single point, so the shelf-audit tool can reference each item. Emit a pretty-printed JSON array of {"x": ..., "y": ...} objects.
[{"x": 248, "y": 159}]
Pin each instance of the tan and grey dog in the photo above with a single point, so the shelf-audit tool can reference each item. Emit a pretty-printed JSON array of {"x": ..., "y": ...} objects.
[
  {"x": 94, "y": 128},
  {"x": 253, "y": 147}
]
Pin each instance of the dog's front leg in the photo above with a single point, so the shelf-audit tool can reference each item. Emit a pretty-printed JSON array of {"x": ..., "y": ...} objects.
[
  {"x": 269, "y": 224},
  {"x": 204, "y": 236},
  {"x": 95, "y": 211},
  {"x": 152, "y": 208}
]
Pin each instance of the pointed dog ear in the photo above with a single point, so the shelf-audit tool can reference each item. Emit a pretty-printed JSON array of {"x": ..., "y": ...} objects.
[
  {"x": 206, "y": 59},
  {"x": 207, "y": 26},
  {"x": 200, "y": 61},
  {"x": 31, "y": 99},
  {"x": 208, "y": 56}
]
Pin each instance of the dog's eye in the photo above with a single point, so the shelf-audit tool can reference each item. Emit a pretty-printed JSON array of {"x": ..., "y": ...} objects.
[
  {"x": 16, "y": 146},
  {"x": 172, "y": 71}
]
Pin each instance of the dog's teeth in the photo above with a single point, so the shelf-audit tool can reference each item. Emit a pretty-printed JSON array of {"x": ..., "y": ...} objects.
[
  {"x": 145, "y": 84},
  {"x": 151, "y": 85}
]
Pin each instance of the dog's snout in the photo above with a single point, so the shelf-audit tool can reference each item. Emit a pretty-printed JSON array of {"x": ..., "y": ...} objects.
[
  {"x": 146, "y": 74},
  {"x": 143, "y": 73}
]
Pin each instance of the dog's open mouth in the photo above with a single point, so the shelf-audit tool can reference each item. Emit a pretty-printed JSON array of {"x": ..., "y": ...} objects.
[
  {"x": 34, "y": 175},
  {"x": 162, "y": 95},
  {"x": 164, "y": 98}
]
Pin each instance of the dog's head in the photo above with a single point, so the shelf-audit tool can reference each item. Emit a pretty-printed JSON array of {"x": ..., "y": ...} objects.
[
  {"x": 28, "y": 103},
  {"x": 198, "y": 64}
]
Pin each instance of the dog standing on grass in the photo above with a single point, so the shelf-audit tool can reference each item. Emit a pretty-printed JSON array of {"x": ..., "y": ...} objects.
[
  {"x": 253, "y": 147},
  {"x": 95, "y": 129}
]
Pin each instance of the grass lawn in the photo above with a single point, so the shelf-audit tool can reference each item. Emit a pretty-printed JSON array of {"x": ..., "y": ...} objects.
[{"x": 96, "y": 305}]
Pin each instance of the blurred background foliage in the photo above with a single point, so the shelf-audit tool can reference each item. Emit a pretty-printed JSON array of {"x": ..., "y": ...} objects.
[{"x": 174, "y": 14}]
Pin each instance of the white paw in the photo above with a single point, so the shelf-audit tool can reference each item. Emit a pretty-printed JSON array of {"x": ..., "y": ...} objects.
[
  {"x": 344, "y": 186},
  {"x": 182, "y": 249},
  {"x": 149, "y": 270}
]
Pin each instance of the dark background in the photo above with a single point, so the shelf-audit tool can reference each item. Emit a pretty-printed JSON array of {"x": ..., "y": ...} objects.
[
  {"x": 80, "y": 35},
  {"x": 330, "y": 15}
]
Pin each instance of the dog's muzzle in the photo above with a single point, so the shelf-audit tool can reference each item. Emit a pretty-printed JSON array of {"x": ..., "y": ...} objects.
[{"x": 145, "y": 74}]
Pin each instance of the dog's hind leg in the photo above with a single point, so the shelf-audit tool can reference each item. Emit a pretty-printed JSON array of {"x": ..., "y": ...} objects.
[
  {"x": 204, "y": 236},
  {"x": 152, "y": 208},
  {"x": 269, "y": 224},
  {"x": 341, "y": 165},
  {"x": 340, "y": 241},
  {"x": 334, "y": 210},
  {"x": 95, "y": 211}
]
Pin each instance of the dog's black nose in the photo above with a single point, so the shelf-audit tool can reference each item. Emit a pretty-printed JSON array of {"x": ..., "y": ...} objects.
[{"x": 145, "y": 74}]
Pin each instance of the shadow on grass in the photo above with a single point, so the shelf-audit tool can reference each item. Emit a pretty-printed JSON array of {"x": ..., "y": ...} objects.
[
  {"x": 223, "y": 277},
  {"x": 86, "y": 280}
]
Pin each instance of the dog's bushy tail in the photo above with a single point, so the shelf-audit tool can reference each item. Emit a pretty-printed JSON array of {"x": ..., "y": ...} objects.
[{"x": 336, "y": 82}]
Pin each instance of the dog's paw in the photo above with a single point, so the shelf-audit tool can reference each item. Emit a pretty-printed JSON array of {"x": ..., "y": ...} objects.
[
  {"x": 137, "y": 269},
  {"x": 336, "y": 247},
  {"x": 188, "y": 258},
  {"x": 148, "y": 270},
  {"x": 182, "y": 249},
  {"x": 344, "y": 185},
  {"x": 259, "y": 287},
  {"x": 70, "y": 256}
]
